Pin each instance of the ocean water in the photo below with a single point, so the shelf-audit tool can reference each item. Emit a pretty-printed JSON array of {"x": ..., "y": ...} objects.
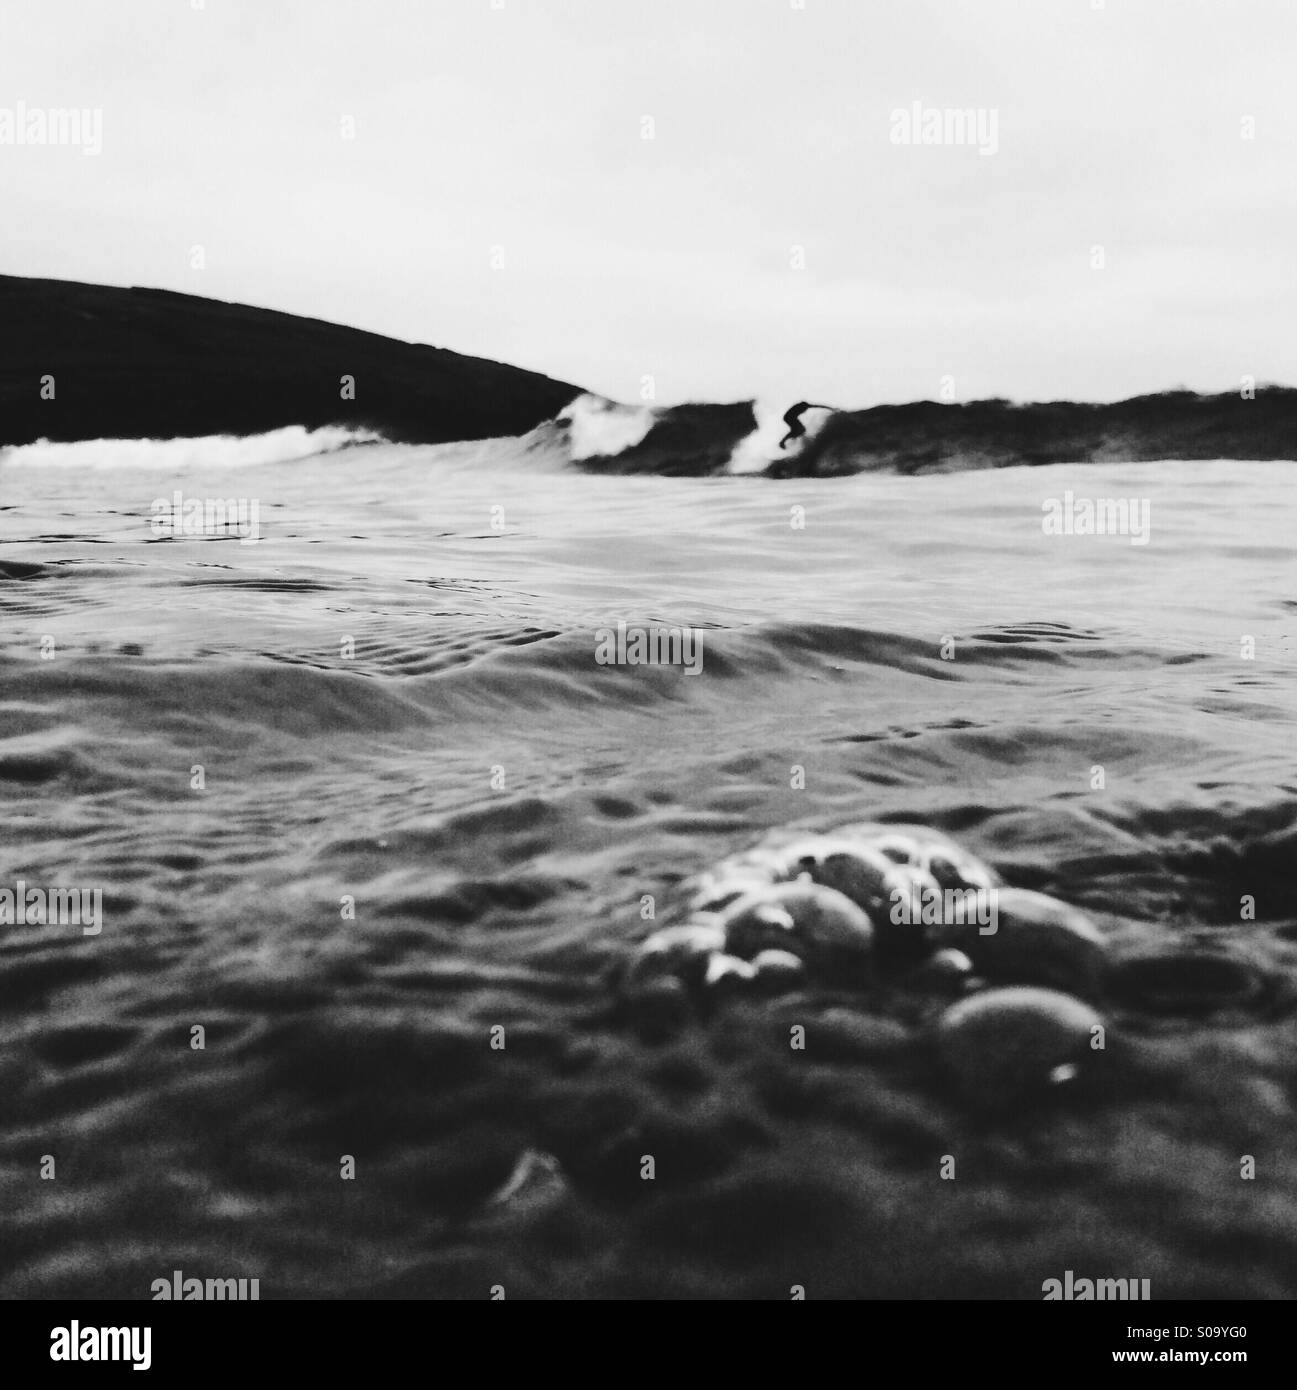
[{"x": 392, "y": 700}]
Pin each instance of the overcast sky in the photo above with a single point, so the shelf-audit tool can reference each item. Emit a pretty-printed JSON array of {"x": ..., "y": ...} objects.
[{"x": 517, "y": 134}]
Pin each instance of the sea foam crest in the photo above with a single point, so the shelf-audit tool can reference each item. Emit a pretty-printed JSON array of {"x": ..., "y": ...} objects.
[
  {"x": 174, "y": 455},
  {"x": 600, "y": 428},
  {"x": 755, "y": 452}
]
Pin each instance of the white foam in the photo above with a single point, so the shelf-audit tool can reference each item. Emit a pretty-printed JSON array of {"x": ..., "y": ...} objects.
[
  {"x": 601, "y": 428},
  {"x": 178, "y": 455},
  {"x": 756, "y": 451}
]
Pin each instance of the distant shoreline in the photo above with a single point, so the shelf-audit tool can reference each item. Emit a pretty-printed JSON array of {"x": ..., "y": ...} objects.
[{"x": 80, "y": 361}]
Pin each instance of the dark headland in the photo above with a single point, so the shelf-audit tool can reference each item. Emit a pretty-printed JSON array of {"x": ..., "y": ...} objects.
[
  {"x": 145, "y": 363},
  {"x": 141, "y": 363}
]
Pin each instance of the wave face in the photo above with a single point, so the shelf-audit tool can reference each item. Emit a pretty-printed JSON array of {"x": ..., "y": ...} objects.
[
  {"x": 367, "y": 789},
  {"x": 921, "y": 437}
]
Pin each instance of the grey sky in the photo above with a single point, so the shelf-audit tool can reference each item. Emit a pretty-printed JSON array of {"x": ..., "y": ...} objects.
[{"x": 520, "y": 128}]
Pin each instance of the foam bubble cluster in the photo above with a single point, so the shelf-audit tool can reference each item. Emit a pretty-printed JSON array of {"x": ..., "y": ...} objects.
[{"x": 872, "y": 904}]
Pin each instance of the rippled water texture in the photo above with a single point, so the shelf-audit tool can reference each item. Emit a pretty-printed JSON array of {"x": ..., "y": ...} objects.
[{"x": 499, "y": 806}]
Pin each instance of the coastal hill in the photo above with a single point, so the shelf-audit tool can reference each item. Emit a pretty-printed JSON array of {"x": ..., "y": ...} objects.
[{"x": 142, "y": 363}]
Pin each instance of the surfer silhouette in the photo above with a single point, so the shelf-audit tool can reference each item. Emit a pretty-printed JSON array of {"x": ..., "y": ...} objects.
[{"x": 793, "y": 419}]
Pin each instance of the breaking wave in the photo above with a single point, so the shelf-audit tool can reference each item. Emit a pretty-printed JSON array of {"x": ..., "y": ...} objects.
[
  {"x": 177, "y": 455},
  {"x": 600, "y": 428}
]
